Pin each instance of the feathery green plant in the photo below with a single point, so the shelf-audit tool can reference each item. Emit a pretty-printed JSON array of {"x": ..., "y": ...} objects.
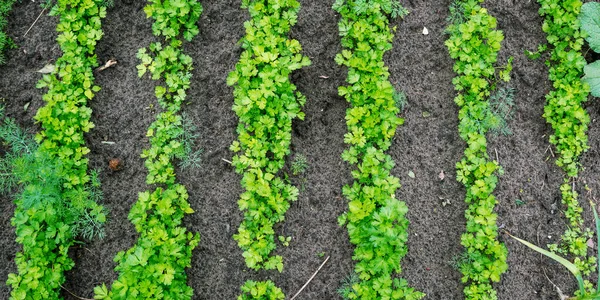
[
  {"x": 56, "y": 183},
  {"x": 5, "y": 41}
]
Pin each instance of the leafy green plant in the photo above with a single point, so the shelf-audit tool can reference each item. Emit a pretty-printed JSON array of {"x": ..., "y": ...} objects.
[
  {"x": 474, "y": 43},
  {"x": 586, "y": 290},
  {"x": 589, "y": 16},
  {"x": 564, "y": 111},
  {"x": 266, "y": 102},
  {"x": 154, "y": 268},
  {"x": 375, "y": 220},
  {"x": 5, "y": 41},
  {"x": 55, "y": 205},
  {"x": 538, "y": 53},
  {"x": 260, "y": 290}
]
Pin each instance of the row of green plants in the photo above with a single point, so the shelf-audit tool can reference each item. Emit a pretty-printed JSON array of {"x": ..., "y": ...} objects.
[
  {"x": 565, "y": 113},
  {"x": 57, "y": 202},
  {"x": 266, "y": 102},
  {"x": 154, "y": 268},
  {"x": 474, "y": 43},
  {"x": 563, "y": 24},
  {"x": 565, "y": 104},
  {"x": 5, "y": 41},
  {"x": 375, "y": 219}
]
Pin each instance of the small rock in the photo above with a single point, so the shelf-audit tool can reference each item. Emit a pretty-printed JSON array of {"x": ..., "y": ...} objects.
[{"x": 425, "y": 31}]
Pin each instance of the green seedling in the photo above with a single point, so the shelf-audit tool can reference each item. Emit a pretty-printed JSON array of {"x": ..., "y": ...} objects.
[
  {"x": 299, "y": 165},
  {"x": 285, "y": 241}
]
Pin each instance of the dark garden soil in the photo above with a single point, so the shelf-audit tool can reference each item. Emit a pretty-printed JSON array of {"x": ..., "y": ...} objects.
[{"x": 427, "y": 145}]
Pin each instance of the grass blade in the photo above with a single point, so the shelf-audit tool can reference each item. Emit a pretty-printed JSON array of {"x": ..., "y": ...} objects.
[
  {"x": 597, "y": 238},
  {"x": 569, "y": 265}
]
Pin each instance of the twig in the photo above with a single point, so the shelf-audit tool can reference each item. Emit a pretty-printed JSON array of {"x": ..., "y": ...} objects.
[
  {"x": 560, "y": 293},
  {"x": 43, "y": 10},
  {"x": 108, "y": 64},
  {"x": 64, "y": 288},
  {"x": 227, "y": 161},
  {"x": 310, "y": 279},
  {"x": 497, "y": 159}
]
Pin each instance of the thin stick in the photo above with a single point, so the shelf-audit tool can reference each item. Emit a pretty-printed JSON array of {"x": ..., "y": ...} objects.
[
  {"x": 497, "y": 159},
  {"x": 74, "y": 294},
  {"x": 227, "y": 161},
  {"x": 560, "y": 293},
  {"x": 310, "y": 279},
  {"x": 43, "y": 10}
]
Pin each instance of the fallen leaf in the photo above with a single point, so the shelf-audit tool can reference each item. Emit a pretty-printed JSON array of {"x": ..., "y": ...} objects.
[
  {"x": 115, "y": 164},
  {"x": 411, "y": 174},
  {"x": 426, "y": 114},
  {"x": 26, "y": 106},
  {"x": 47, "y": 69},
  {"x": 590, "y": 243}
]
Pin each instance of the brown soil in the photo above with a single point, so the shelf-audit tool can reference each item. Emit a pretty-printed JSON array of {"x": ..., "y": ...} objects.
[{"x": 419, "y": 65}]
